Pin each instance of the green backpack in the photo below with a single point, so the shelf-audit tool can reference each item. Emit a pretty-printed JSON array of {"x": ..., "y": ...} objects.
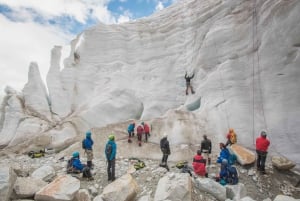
[{"x": 181, "y": 164}]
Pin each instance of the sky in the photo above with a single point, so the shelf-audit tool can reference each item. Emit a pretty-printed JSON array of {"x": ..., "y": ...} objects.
[{"x": 31, "y": 28}]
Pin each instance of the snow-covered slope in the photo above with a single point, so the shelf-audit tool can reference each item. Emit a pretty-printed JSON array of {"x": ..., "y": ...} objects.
[{"x": 245, "y": 56}]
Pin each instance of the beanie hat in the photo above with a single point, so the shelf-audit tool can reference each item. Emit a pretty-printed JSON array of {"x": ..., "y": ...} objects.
[
  {"x": 75, "y": 154},
  {"x": 263, "y": 133},
  {"x": 88, "y": 134},
  {"x": 111, "y": 137}
]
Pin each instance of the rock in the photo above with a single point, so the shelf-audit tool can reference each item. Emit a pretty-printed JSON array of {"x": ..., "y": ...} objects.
[
  {"x": 122, "y": 189},
  {"x": 26, "y": 187},
  {"x": 46, "y": 173},
  {"x": 7, "y": 180},
  {"x": 285, "y": 198},
  {"x": 63, "y": 188},
  {"x": 282, "y": 163},
  {"x": 174, "y": 186},
  {"x": 244, "y": 155},
  {"x": 212, "y": 187},
  {"x": 247, "y": 199},
  {"x": 145, "y": 198},
  {"x": 93, "y": 190},
  {"x": 82, "y": 195},
  {"x": 98, "y": 198},
  {"x": 236, "y": 192}
]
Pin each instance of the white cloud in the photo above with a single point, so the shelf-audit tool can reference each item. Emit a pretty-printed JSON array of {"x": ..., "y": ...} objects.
[
  {"x": 159, "y": 6},
  {"x": 22, "y": 43}
]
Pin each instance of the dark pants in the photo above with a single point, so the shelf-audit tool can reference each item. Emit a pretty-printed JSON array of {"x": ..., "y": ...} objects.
[
  {"x": 86, "y": 172},
  {"x": 131, "y": 134},
  {"x": 188, "y": 85},
  {"x": 146, "y": 136},
  {"x": 165, "y": 158},
  {"x": 261, "y": 160},
  {"x": 111, "y": 169}
]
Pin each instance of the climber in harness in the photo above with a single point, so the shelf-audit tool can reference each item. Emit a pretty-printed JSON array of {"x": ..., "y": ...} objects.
[
  {"x": 188, "y": 83},
  {"x": 231, "y": 137}
]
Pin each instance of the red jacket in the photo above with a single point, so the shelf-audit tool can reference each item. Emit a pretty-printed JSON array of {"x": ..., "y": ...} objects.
[
  {"x": 199, "y": 165},
  {"x": 262, "y": 144},
  {"x": 146, "y": 128},
  {"x": 139, "y": 130}
]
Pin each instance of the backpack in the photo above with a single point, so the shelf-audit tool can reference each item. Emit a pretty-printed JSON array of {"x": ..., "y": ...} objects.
[
  {"x": 83, "y": 144},
  {"x": 233, "y": 177},
  {"x": 33, "y": 154},
  {"x": 181, "y": 164},
  {"x": 108, "y": 150},
  {"x": 139, "y": 165},
  {"x": 232, "y": 159}
]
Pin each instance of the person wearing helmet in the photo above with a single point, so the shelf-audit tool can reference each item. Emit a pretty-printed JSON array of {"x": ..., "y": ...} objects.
[
  {"x": 78, "y": 167},
  {"x": 262, "y": 145},
  {"x": 110, "y": 154},
  {"x": 146, "y": 131},
  {"x": 130, "y": 130},
  {"x": 231, "y": 137},
  {"x": 88, "y": 148},
  {"x": 206, "y": 148},
  {"x": 165, "y": 149}
]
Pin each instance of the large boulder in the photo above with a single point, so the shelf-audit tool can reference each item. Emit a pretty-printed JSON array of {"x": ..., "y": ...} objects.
[
  {"x": 26, "y": 187},
  {"x": 285, "y": 198},
  {"x": 244, "y": 155},
  {"x": 236, "y": 192},
  {"x": 46, "y": 173},
  {"x": 282, "y": 163},
  {"x": 212, "y": 187},
  {"x": 123, "y": 189},
  {"x": 63, "y": 188},
  {"x": 174, "y": 186}
]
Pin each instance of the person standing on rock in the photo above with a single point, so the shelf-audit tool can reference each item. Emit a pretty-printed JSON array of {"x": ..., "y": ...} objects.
[
  {"x": 165, "y": 148},
  {"x": 79, "y": 167},
  {"x": 110, "y": 154},
  {"x": 130, "y": 130},
  {"x": 262, "y": 145},
  {"x": 188, "y": 83},
  {"x": 88, "y": 148},
  {"x": 146, "y": 131},
  {"x": 206, "y": 147},
  {"x": 140, "y": 132}
]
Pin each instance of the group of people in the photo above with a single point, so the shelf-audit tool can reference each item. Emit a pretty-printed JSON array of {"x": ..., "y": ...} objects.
[
  {"x": 227, "y": 174},
  {"x": 76, "y": 166},
  {"x": 142, "y": 129}
]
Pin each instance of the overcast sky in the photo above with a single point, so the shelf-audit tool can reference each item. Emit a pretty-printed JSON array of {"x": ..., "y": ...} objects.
[{"x": 30, "y": 28}]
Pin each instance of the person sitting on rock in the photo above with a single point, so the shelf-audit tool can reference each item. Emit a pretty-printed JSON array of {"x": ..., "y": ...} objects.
[
  {"x": 231, "y": 137},
  {"x": 188, "y": 83},
  {"x": 223, "y": 175},
  {"x": 224, "y": 154},
  {"x": 79, "y": 167},
  {"x": 199, "y": 164}
]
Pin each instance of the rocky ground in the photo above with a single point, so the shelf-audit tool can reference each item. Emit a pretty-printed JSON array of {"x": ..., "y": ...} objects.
[{"x": 259, "y": 187}]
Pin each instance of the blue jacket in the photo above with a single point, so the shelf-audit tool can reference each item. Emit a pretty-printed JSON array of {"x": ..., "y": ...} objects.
[
  {"x": 88, "y": 143},
  {"x": 224, "y": 154},
  {"x": 131, "y": 127},
  {"x": 223, "y": 171},
  {"x": 113, "y": 151},
  {"x": 77, "y": 164}
]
